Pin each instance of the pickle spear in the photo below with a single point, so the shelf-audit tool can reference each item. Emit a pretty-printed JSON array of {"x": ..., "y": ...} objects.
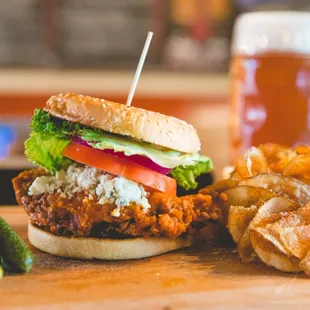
[{"x": 14, "y": 250}]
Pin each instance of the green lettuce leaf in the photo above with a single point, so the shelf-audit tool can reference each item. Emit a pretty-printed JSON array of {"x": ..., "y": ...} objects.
[
  {"x": 186, "y": 175},
  {"x": 43, "y": 122},
  {"x": 46, "y": 151}
]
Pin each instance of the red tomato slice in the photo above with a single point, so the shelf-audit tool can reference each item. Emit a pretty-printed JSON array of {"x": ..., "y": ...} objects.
[{"x": 120, "y": 167}]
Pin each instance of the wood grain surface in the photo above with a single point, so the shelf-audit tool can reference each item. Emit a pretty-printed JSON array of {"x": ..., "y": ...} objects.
[{"x": 196, "y": 278}]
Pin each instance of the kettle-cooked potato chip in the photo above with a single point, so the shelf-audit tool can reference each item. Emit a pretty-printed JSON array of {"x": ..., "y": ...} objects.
[
  {"x": 289, "y": 230},
  {"x": 252, "y": 163},
  {"x": 281, "y": 185},
  {"x": 247, "y": 195},
  {"x": 239, "y": 218},
  {"x": 305, "y": 264},
  {"x": 271, "y": 256},
  {"x": 278, "y": 156},
  {"x": 299, "y": 168},
  {"x": 272, "y": 206},
  {"x": 302, "y": 150},
  {"x": 241, "y": 205}
]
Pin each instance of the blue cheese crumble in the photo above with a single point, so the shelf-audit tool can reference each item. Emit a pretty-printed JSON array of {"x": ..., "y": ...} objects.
[{"x": 106, "y": 188}]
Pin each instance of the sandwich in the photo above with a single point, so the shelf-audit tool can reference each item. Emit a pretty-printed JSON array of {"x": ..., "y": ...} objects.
[{"x": 105, "y": 185}]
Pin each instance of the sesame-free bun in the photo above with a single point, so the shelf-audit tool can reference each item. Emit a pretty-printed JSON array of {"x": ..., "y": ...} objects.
[
  {"x": 137, "y": 123},
  {"x": 105, "y": 249}
]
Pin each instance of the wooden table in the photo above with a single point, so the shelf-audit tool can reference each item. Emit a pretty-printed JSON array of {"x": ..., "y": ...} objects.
[{"x": 187, "y": 279}]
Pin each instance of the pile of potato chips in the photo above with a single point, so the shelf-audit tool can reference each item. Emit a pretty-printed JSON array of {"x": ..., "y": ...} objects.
[{"x": 266, "y": 203}]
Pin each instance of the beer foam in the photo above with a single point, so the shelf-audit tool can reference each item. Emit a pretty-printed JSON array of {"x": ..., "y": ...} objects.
[{"x": 261, "y": 32}]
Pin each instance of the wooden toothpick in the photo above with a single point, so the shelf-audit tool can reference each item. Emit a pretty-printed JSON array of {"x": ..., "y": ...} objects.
[{"x": 139, "y": 68}]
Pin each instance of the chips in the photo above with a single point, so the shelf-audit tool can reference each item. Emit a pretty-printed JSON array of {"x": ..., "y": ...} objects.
[
  {"x": 247, "y": 195},
  {"x": 305, "y": 264},
  {"x": 281, "y": 185},
  {"x": 299, "y": 168},
  {"x": 241, "y": 205},
  {"x": 239, "y": 218},
  {"x": 271, "y": 256},
  {"x": 252, "y": 163},
  {"x": 302, "y": 150},
  {"x": 266, "y": 203},
  {"x": 272, "y": 206},
  {"x": 277, "y": 156},
  {"x": 226, "y": 194},
  {"x": 289, "y": 233}
]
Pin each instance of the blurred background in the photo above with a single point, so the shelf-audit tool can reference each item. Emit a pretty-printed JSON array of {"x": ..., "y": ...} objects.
[{"x": 92, "y": 47}]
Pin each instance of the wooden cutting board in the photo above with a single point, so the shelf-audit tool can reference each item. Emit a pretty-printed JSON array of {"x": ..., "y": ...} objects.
[{"x": 187, "y": 279}]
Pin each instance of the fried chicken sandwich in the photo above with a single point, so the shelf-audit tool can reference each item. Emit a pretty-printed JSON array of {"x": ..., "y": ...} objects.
[{"x": 102, "y": 188}]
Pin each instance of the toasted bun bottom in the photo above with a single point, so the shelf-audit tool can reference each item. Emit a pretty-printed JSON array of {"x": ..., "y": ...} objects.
[{"x": 105, "y": 249}]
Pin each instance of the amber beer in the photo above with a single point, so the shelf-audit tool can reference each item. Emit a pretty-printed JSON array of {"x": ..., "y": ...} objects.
[{"x": 270, "y": 88}]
